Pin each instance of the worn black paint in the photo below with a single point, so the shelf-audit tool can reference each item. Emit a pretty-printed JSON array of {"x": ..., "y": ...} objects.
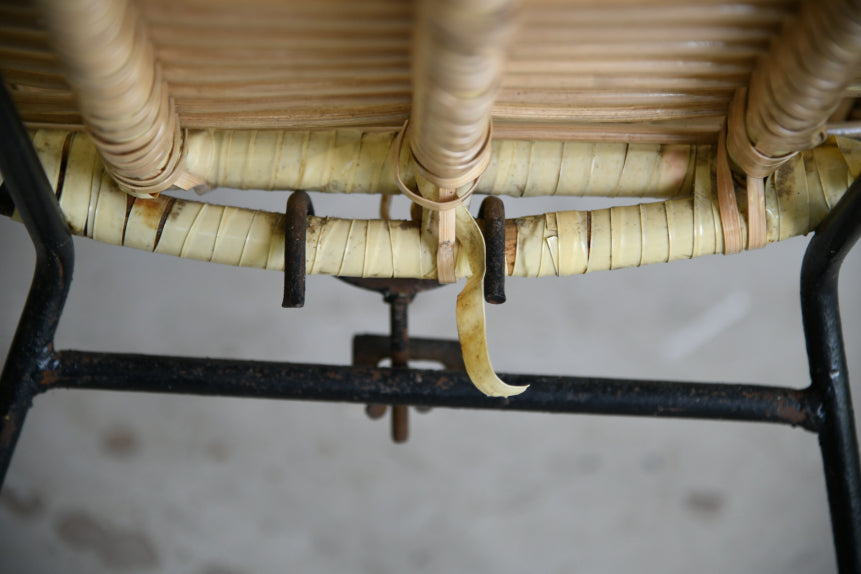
[
  {"x": 829, "y": 373},
  {"x": 30, "y": 351},
  {"x": 553, "y": 394}
]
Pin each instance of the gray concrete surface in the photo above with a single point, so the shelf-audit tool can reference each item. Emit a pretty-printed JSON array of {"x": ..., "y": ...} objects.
[{"x": 121, "y": 482}]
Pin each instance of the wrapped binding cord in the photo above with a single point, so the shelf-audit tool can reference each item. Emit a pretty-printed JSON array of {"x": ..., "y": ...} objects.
[
  {"x": 391, "y": 97},
  {"x": 797, "y": 197}
]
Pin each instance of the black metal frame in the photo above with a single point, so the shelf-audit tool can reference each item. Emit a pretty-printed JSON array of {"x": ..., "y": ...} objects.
[{"x": 33, "y": 366}]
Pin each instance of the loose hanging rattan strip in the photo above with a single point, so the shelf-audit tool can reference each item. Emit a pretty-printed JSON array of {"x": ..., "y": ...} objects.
[{"x": 719, "y": 112}]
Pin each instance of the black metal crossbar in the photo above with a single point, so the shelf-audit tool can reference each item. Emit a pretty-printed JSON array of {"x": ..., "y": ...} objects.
[
  {"x": 199, "y": 376},
  {"x": 33, "y": 366}
]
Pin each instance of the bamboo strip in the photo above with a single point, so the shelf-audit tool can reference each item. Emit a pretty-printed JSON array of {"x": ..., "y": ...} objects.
[
  {"x": 471, "y": 329},
  {"x": 757, "y": 235},
  {"x": 352, "y": 161},
  {"x": 727, "y": 203},
  {"x": 797, "y": 197},
  {"x": 699, "y": 131}
]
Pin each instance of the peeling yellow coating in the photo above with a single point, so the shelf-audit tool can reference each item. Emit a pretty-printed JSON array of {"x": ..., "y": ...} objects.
[
  {"x": 470, "y": 313},
  {"x": 352, "y": 161}
]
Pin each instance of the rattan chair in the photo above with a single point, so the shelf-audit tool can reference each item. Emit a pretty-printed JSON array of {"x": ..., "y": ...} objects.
[{"x": 734, "y": 124}]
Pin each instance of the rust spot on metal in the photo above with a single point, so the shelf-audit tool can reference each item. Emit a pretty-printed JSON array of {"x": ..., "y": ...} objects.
[
  {"x": 444, "y": 383},
  {"x": 789, "y": 412},
  {"x": 510, "y": 246},
  {"x": 8, "y": 431},
  {"x": 49, "y": 378}
]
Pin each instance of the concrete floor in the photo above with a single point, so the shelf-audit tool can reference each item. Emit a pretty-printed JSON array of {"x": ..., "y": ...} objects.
[{"x": 122, "y": 482}]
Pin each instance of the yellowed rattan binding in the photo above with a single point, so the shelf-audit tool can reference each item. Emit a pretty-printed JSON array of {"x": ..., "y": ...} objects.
[{"x": 721, "y": 114}]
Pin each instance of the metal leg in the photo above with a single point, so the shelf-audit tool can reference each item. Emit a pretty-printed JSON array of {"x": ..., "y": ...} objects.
[
  {"x": 829, "y": 373},
  {"x": 31, "y": 350}
]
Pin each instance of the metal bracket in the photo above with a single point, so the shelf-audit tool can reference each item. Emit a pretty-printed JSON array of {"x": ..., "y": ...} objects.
[
  {"x": 398, "y": 293},
  {"x": 299, "y": 207},
  {"x": 491, "y": 217}
]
